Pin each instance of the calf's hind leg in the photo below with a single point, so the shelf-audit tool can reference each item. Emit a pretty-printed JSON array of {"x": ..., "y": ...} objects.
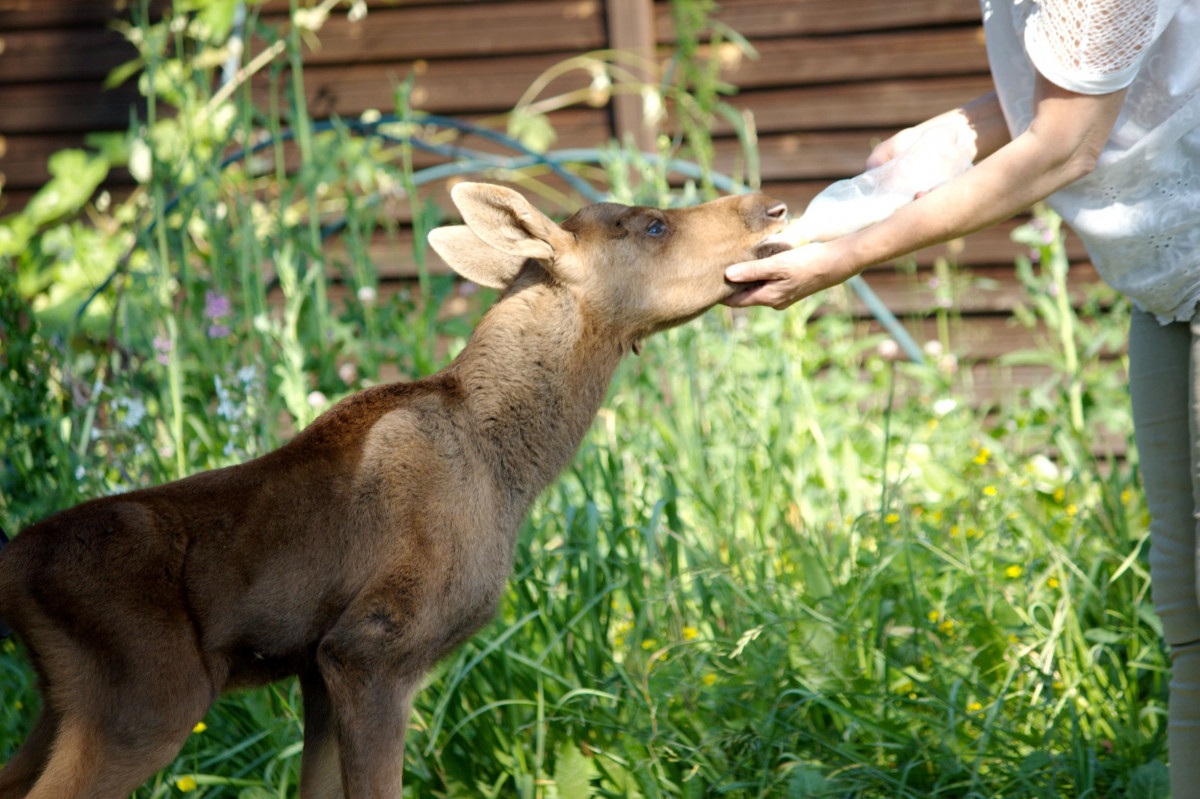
[
  {"x": 19, "y": 774},
  {"x": 124, "y": 714}
]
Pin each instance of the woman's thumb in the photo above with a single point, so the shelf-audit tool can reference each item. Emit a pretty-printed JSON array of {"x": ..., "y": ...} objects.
[{"x": 747, "y": 272}]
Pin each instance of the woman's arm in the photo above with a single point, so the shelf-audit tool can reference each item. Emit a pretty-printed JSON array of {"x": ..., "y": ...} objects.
[{"x": 1060, "y": 146}]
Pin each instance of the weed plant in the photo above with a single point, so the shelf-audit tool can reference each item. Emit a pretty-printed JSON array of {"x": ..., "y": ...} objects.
[{"x": 781, "y": 565}]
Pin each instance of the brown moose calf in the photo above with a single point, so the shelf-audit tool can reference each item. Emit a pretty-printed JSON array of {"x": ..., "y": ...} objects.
[{"x": 371, "y": 545}]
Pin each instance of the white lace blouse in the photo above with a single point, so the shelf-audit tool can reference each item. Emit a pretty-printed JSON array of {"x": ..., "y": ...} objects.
[{"x": 1138, "y": 213}]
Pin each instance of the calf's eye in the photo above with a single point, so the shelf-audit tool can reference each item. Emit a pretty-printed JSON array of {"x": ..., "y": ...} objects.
[{"x": 656, "y": 228}]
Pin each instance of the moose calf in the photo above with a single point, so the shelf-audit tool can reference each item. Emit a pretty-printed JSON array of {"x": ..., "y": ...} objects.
[{"x": 374, "y": 542}]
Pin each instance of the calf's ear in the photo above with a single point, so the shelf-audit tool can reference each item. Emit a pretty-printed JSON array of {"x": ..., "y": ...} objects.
[
  {"x": 508, "y": 222},
  {"x": 470, "y": 257}
]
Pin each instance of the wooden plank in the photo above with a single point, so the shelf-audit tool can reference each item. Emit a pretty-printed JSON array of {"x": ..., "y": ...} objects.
[
  {"x": 778, "y": 18},
  {"x": 877, "y": 104},
  {"x": 476, "y": 29},
  {"x": 992, "y": 245},
  {"x": 37, "y": 32},
  {"x": 275, "y": 7},
  {"x": 25, "y": 14},
  {"x": 458, "y": 86},
  {"x": 62, "y": 107},
  {"x": 983, "y": 337},
  {"x": 801, "y": 156},
  {"x": 900, "y": 54},
  {"x": 978, "y": 289},
  {"x": 62, "y": 54}
]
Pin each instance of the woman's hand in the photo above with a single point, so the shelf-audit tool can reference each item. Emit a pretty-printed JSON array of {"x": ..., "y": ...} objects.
[{"x": 789, "y": 276}]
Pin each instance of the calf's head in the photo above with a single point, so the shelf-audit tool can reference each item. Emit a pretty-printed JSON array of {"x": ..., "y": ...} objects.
[{"x": 639, "y": 269}]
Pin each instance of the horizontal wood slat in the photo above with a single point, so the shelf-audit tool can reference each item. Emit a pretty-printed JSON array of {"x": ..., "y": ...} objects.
[
  {"x": 810, "y": 60},
  {"x": 776, "y": 18},
  {"x": 476, "y": 29},
  {"x": 980, "y": 289},
  {"x": 26, "y": 14},
  {"x": 451, "y": 86},
  {"x": 982, "y": 338},
  {"x": 875, "y": 104},
  {"x": 60, "y": 107},
  {"x": 62, "y": 54}
]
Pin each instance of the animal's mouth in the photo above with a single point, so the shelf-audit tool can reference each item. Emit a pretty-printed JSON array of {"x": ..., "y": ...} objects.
[{"x": 768, "y": 247}]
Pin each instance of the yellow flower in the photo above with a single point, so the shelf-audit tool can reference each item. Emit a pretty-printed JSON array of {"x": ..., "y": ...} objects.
[
  {"x": 989, "y": 491},
  {"x": 1059, "y": 494},
  {"x": 1014, "y": 571},
  {"x": 974, "y": 707},
  {"x": 954, "y": 531},
  {"x": 1072, "y": 510},
  {"x": 1126, "y": 495},
  {"x": 933, "y": 615},
  {"x": 649, "y": 643},
  {"x": 186, "y": 784},
  {"x": 709, "y": 678},
  {"x": 983, "y": 456},
  {"x": 690, "y": 633},
  {"x": 200, "y": 727},
  {"x": 946, "y": 627},
  {"x": 619, "y": 640},
  {"x": 891, "y": 518},
  {"x": 1052, "y": 582}
]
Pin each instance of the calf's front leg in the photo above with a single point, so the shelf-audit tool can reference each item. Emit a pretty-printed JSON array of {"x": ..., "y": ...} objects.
[
  {"x": 370, "y": 704},
  {"x": 320, "y": 771}
]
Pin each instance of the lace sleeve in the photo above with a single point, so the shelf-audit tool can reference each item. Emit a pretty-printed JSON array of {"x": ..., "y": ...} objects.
[{"x": 1090, "y": 46}]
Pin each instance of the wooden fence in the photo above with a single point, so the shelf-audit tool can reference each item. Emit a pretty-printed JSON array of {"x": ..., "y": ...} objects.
[{"x": 830, "y": 78}]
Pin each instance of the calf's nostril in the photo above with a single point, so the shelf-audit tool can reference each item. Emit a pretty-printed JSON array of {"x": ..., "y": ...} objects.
[{"x": 778, "y": 211}]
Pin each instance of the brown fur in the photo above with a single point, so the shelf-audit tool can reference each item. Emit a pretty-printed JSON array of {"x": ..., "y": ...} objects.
[{"x": 374, "y": 542}]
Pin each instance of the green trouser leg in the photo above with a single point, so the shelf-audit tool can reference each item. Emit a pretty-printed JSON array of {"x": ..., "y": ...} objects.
[{"x": 1164, "y": 366}]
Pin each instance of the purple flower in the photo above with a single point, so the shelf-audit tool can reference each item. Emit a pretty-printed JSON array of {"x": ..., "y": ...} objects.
[
  {"x": 216, "y": 306},
  {"x": 218, "y": 331},
  {"x": 162, "y": 349}
]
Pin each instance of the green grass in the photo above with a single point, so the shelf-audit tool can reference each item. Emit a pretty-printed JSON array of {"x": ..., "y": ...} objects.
[{"x": 773, "y": 570}]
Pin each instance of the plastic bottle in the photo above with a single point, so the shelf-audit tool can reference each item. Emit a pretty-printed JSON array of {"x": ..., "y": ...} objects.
[{"x": 934, "y": 155}]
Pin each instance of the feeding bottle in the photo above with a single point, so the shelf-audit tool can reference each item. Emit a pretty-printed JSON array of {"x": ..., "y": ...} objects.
[{"x": 936, "y": 154}]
